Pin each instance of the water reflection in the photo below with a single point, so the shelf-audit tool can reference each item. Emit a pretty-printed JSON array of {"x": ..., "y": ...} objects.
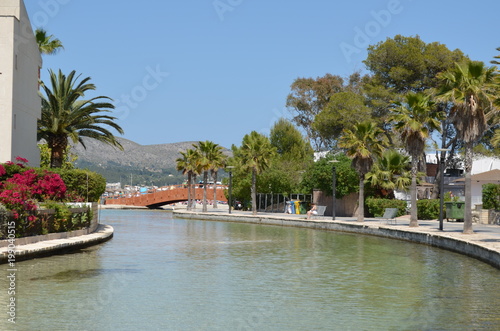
[{"x": 161, "y": 273}]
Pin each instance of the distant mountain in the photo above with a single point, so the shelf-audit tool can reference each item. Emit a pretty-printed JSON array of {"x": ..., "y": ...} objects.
[{"x": 136, "y": 164}]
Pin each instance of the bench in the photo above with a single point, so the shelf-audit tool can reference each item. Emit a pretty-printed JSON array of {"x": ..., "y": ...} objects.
[
  {"x": 320, "y": 212},
  {"x": 390, "y": 215}
]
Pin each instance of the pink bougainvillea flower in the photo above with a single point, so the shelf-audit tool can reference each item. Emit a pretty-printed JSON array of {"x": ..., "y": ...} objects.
[{"x": 21, "y": 159}]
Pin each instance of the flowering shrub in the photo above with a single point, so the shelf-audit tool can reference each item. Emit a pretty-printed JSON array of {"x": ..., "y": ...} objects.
[
  {"x": 21, "y": 192},
  {"x": 32, "y": 198}
]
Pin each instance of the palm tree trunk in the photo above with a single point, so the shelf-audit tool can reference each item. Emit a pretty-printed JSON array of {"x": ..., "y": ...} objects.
[
  {"x": 361, "y": 209},
  {"x": 413, "y": 192},
  {"x": 205, "y": 181},
  {"x": 253, "y": 193},
  {"x": 215, "y": 190},
  {"x": 193, "y": 194},
  {"x": 57, "y": 144},
  {"x": 189, "y": 191},
  {"x": 468, "y": 191}
]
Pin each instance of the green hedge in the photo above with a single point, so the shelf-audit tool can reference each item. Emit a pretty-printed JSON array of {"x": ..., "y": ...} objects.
[
  {"x": 491, "y": 196},
  {"x": 57, "y": 217},
  {"x": 428, "y": 209},
  {"x": 76, "y": 183},
  {"x": 376, "y": 207}
]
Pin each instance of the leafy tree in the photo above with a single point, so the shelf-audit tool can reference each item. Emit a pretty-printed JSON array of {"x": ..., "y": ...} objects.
[
  {"x": 47, "y": 44},
  {"x": 405, "y": 64},
  {"x": 342, "y": 111},
  {"x": 414, "y": 120},
  {"x": 470, "y": 87},
  {"x": 402, "y": 64},
  {"x": 254, "y": 155},
  {"x": 310, "y": 96},
  {"x": 363, "y": 143},
  {"x": 319, "y": 176},
  {"x": 65, "y": 116},
  {"x": 289, "y": 142}
]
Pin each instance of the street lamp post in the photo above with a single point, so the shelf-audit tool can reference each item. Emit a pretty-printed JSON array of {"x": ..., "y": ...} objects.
[
  {"x": 441, "y": 186},
  {"x": 334, "y": 188},
  {"x": 230, "y": 186}
]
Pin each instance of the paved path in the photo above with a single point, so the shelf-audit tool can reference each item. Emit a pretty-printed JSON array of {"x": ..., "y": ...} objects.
[{"x": 50, "y": 247}]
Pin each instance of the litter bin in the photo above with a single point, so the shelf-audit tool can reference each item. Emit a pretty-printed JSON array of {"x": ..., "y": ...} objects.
[
  {"x": 290, "y": 207},
  {"x": 297, "y": 207},
  {"x": 303, "y": 207},
  {"x": 455, "y": 210}
]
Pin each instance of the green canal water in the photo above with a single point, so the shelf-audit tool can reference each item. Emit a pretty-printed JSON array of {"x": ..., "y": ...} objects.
[{"x": 164, "y": 273}]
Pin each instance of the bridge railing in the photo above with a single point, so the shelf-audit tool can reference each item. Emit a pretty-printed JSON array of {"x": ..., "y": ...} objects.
[{"x": 165, "y": 195}]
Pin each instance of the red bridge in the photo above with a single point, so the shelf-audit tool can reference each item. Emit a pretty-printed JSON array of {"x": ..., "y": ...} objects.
[{"x": 165, "y": 195}]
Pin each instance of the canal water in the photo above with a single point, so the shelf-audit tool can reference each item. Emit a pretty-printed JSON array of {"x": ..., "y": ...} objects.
[{"x": 164, "y": 273}]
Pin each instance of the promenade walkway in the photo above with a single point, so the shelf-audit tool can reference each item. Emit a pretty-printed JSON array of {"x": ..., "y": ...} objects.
[
  {"x": 484, "y": 244},
  {"x": 56, "y": 246}
]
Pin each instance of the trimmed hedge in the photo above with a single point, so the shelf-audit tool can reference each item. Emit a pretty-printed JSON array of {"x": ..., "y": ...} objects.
[
  {"x": 491, "y": 196},
  {"x": 376, "y": 207},
  {"x": 76, "y": 183},
  {"x": 428, "y": 209}
]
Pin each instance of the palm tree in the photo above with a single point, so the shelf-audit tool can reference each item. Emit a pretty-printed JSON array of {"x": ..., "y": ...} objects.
[
  {"x": 390, "y": 172},
  {"x": 414, "y": 120},
  {"x": 495, "y": 141},
  {"x": 470, "y": 87},
  {"x": 65, "y": 116},
  {"x": 187, "y": 164},
  {"x": 363, "y": 143},
  {"x": 47, "y": 44},
  {"x": 255, "y": 154},
  {"x": 204, "y": 149},
  {"x": 218, "y": 161},
  {"x": 496, "y": 57}
]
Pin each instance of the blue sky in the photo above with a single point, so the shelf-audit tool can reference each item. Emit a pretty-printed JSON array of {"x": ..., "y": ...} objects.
[{"x": 217, "y": 69}]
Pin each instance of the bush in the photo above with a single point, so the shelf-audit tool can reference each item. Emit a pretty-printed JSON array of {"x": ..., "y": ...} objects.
[
  {"x": 428, "y": 209},
  {"x": 76, "y": 184},
  {"x": 376, "y": 207},
  {"x": 491, "y": 196},
  {"x": 23, "y": 189}
]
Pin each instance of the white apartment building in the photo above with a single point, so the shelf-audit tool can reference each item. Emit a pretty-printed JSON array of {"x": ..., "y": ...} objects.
[{"x": 20, "y": 105}]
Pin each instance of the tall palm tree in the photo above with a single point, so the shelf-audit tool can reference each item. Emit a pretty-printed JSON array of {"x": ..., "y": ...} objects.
[
  {"x": 255, "y": 154},
  {"x": 47, "y": 44},
  {"x": 414, "y": 120},
  {"x": 65, "y": 116},
  {"x": 218, "y": 161},
  {"x": 188, "y": 165},
  {"x": 205, "y": 152},
  {"x": 470, "y": 87},
  {"x": 363, "y": 143}
]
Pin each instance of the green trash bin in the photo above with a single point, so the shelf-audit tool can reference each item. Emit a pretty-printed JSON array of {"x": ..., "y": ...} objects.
[
  {"x": 303, "y": 207},
  {"x": 455, "y": 210}
]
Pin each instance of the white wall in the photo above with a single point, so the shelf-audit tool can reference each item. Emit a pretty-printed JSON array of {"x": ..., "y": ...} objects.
[{"x": 20, "y": 105}]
